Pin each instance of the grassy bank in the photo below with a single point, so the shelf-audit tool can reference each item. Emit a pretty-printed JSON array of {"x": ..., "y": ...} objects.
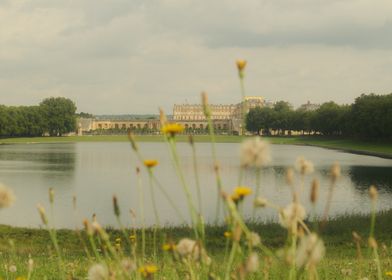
[
  {"x": 341, "y": 250},
  {"x": 383, "y": 149}
]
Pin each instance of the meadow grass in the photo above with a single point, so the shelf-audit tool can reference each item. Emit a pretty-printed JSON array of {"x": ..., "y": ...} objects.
[{"x": 341, "y": 255}]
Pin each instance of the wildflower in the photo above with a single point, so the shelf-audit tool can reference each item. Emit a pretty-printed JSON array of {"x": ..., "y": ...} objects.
[
  {"x": 260, "y": 202},
  {"x": 148, "y": 270},
  {"x": 388, "y": 273},
  {"x": 241, "y": 63},
  {"x": 254, "y": 153},
  {"x": 132, "y": 238},
  {"x": 239, "y": 193},
  {"x": 169, "y": 247},
  {"x": 291, "y": 214},
  {"x": 304, "y": 166},
  {"x": 254, "y": 239},
  {"x": 12, "y": 268},
  {"x": 7, "y": 197},
  {"x": 172, "y": 129},
  {"x": 252, "y": 263},
  {"x": 150, "y": 163},
  {"x": 227, "y": 234},
  {"x": 310, "y": 251},
  {"x": 118, "y": 240},
  {"x": 98, "y": 272},
  {"x": 20, "y": 278}
]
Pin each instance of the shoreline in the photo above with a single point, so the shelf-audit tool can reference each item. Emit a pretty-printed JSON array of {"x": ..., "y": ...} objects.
[{"x": 381, "y": 150}]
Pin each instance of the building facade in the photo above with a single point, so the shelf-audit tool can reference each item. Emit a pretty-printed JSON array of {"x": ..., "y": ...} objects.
[{"x": 225, "y": 118}]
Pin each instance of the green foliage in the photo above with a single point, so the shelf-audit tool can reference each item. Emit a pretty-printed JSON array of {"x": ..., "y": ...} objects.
[
  {"x": 53, "y": 115},
  {"x": 369, "y": 117},
  {"x": 59, "y": 115}
]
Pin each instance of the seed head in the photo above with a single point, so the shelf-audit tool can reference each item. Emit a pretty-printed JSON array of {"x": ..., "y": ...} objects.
[
  {"x": 335, "y": 171},
  {"x": 51, "y": 195},
  {"x": 42, "y": 213},
  {"x": 7, "y": 197},
  {"x": 373, "y": 193},
  {"x": 314, "y": 191},
  {"x": 304, "y": 166},
  {"x": 116, "y": 208}
]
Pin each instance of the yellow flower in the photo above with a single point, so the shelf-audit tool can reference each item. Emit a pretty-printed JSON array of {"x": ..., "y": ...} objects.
[
  {"x": 118, "y": 239},
  {"x": 242, "y": 191},
  {"x": 227, "y": 234},
  {"x": 388, "y": 273},
  {"x": 241, "y": 63},
  {"x": 168, "y": 247},
  {"x": 172, "y": 128},
  {"x": 132, "y": 237},
  {"x": 150, "y": 163},
  {"x": 20, "y": 278},
  {"x": 147, "y": 270}
]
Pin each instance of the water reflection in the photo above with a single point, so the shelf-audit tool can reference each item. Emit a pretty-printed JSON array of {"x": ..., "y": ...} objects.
[
  {"x": 364, "y": 176},
  {"x": 95, "y": 171}
]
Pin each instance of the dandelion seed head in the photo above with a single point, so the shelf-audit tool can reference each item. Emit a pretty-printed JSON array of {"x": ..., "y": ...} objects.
[
  {"x": 254, "y": 153},
  {"x": 252, "y": 263},
  {"x": 7, "y": 197},
  {"x": 291, "y": 214},
  {"x": 187, "y": 247},
  {"x": 98, "y": 272},
  {"x": 310, "y": 251},
  {"x": 304, "y": 166},
  {"x": 12, "y": 268},
  {"x": 260, "y": 202},
  {"x": 254, "y": 239}
]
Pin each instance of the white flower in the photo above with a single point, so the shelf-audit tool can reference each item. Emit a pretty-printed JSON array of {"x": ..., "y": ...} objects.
[
  {"x": 98, "y": 272},
  {"x": 7, "y": 197},
  {"x": 254, "y": 239},
  {"x": 187, "y": 247},
  {"x": 310, "y": 251},
  {"x": 190, "y": 248},
  {"x": 260, "y": 202},
  {"x": 291, "y": 214},
  {"x": 252, "y": 263},
  {"x": 304, "y": 166},
  {"x": 12, "y": 268},
  {"x": 254, "y": 153}
]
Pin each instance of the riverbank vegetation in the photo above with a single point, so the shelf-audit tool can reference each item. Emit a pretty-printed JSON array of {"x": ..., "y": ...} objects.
[
  {"x": 369, "y": 117},
  {"x": 54, "y": 116}
]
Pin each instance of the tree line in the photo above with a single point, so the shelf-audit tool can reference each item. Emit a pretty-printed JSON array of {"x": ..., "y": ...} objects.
[
  {"x": 53, "y": 116},
  {"x": 369, "y": 117}
]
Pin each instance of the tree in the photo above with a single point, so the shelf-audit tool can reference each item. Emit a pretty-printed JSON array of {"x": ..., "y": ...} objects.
[{"x": 59, "y": 115}]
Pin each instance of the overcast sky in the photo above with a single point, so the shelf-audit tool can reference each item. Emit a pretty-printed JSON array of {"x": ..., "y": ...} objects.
[{"x": 133, "y": 56}]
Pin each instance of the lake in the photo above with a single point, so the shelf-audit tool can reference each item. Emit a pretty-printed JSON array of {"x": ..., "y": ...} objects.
[{"x": 93, "y": 172}]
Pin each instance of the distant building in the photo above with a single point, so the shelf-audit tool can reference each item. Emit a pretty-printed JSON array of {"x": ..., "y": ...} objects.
[
  {"x": 309, "y": 106},
  {"x": 225, "y": 118}
]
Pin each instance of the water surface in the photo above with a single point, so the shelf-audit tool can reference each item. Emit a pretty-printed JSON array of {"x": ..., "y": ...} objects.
[{"x": 95, "y": 171}]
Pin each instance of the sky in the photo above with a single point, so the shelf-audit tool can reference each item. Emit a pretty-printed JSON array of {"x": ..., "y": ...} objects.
[{"x": 134, "y": 56}]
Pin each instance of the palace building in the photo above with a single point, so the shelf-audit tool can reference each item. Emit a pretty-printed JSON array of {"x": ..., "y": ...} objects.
[{"x": 225, "y": 118}]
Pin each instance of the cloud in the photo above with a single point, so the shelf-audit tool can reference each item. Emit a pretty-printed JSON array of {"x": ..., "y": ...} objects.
[{"x": 120, "y": 56}]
